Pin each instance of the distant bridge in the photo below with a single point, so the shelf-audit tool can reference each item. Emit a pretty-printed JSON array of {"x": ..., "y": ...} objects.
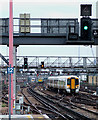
[{"x": 54, "y": 63}]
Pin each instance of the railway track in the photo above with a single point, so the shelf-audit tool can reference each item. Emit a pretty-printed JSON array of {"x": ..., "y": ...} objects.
[
  {"x": 46, "y": 102},
  {"x": 88, "y": 88},
  {"x": 74, "y": 106},
  {"x": 34, "y": 108},
  {"x": 63, "y": 109},
  {"x": 38, "y": 108},
  {"x": 84, "y": 99},
  {"x": 80, "y": 98}
]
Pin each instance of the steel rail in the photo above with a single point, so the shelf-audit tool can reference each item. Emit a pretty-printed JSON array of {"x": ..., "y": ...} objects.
[
  {"x": 75, "y": 114},
  {"x": 51, "y": 107}
]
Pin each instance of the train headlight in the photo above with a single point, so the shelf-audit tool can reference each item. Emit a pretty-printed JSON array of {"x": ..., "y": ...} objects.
[
  {"x": 77, "y": 87},
  {"x": 68, "y": 86}
]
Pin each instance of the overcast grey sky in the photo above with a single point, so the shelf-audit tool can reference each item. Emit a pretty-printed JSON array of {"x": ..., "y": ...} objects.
[{"x": 48, "y": 9}]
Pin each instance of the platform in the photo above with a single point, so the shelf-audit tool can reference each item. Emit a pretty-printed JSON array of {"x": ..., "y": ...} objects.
[{"x": 25, "y": 117}]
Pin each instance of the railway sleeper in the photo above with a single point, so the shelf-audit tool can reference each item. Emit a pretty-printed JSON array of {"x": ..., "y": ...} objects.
[{"x": 82, "y": 117}]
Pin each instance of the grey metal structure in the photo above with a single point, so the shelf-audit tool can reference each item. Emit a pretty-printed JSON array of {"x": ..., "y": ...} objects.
[
  {"x": 3, "y": 58},
  {"x": 0, "y": 89},
  {"x": 45, "y": 31},
  {"x": 67, "y": 64}
]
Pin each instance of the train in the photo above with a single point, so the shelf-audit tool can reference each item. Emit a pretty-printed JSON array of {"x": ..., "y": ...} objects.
[
  {"x": 69, "y": 83},
  {"x": 40, "y": 80}
]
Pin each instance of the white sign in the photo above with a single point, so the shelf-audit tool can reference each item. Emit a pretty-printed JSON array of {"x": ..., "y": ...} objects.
[{"x": 10, "y": 70}]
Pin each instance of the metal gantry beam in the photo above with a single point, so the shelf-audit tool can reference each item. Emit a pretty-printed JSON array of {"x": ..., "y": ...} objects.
[
  {"x": 4, "y": 59},
  {"x": 71, "y": 64},
  {"x": 54, "y": 31}
]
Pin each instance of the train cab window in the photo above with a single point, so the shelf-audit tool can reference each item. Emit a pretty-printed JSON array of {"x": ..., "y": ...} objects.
[
  {"x": 68, "y": 81},
  {"x": 76, "y": 81}
]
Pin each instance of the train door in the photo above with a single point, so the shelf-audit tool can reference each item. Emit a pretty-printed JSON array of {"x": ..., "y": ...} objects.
[{"x": 72, "y": 83}]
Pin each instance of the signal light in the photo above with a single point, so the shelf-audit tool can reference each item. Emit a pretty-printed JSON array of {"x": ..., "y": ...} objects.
[
  {"x": 86, "y": 27},
  {"x": 25, "y": 63},
  {"x": 42, "y": 64}
]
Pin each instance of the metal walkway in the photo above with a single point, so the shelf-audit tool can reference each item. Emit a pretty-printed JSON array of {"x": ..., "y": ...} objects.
[
  {"x": 67, "y": 64},
  {"x": 45, "y": 31}
]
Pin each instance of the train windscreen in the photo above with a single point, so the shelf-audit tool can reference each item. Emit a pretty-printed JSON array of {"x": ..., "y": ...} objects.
[
  {"x": 68, "y": 82},
  {"x": 76, "y": 81}
]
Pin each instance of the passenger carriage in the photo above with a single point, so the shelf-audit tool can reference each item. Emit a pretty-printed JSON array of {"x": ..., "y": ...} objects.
[{"x": 70, "y": 83}]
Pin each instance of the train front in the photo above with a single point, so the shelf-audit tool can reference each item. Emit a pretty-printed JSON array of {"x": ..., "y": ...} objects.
[{"x": 73, "y": 85}]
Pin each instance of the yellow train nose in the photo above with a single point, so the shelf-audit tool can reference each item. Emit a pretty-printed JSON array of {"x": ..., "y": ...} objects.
[{"x": 72, "y": 83}]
